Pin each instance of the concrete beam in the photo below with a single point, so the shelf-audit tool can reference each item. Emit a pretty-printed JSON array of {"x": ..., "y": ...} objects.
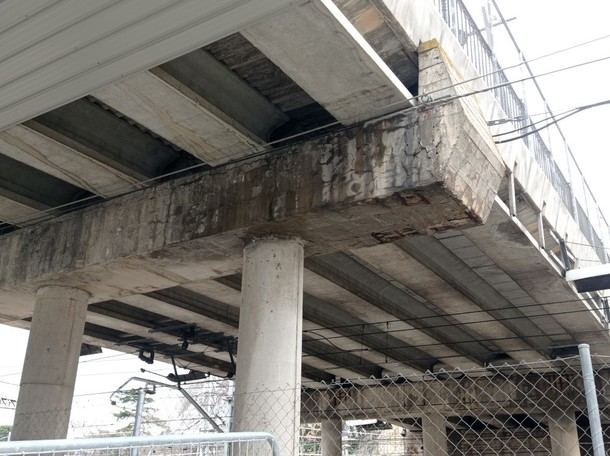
[
  {"x": 317, "y": 46},
  {"x": 41, "y": 72},
  {"x": 343, "y": 322},
  {"x": 511, "y": 394},
  {"x": 360, "y": 361},
  {"x": 431, "y": 253},
  {"x": 544, "y": 291},
  {"x": 397, "y": 265},
  {"x": 198, "y": 104},
  {"x": 340, "y": 190},
  {"x": 112, "y": 142},
  {"x": 318, "y": 355},
  {"x": 381, "y": 30},
  {"x": 117, "y": 340},
  {"x": 179, "y": 309},
  {"x": 26, "y": 191},
  {"x": 146, "y": 324},
  {"x": 380, "y": 321},
  {"x": 16, "y": 212},
  {"x": 63, "y": 162},
  {"x": 361, "y": 279}
]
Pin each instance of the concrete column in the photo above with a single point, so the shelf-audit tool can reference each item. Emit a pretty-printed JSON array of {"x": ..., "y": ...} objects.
[
  {"x": 51, "y": 362},
  {"x": 332, "y": 433},
  {"x": 564, "y": 434},
  {"x": 434, "y": 429},
  {"x": 268, "y": 380}
]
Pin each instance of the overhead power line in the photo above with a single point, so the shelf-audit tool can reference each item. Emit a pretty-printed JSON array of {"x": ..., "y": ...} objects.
[
  {"x": 457, "y": 314},
  {"x": 552, "y": 121}
]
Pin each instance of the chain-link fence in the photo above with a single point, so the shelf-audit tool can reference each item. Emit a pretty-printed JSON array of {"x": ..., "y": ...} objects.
[{"x": 508, "y": 408}]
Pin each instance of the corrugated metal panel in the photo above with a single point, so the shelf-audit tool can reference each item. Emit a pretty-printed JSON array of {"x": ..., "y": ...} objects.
[{"x": 53, "y": 52}]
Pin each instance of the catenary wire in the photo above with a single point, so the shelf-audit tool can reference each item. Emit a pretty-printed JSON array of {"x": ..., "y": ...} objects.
[
  {"x": 456, "y": 314},
  {"x": 555, "y": 120}
]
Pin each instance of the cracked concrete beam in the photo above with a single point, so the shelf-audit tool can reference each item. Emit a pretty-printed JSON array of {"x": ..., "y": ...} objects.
[{"x": 344, "y": 189}]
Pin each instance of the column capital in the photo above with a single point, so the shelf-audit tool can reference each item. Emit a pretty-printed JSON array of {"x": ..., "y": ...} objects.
[
  {"x": 62, "y": 291},
  {"x": 251, "y": 240}
]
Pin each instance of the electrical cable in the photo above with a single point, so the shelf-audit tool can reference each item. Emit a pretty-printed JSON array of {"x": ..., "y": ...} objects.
[
  {"x": 456, "y": 314},
  {"x": 449, "y": 344},
  {"x": 568, "y": 111},
  {"x": 554, "y": 121}
]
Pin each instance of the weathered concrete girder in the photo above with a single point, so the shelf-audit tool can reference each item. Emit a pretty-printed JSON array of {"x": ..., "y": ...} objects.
[
  {"x": 461, "y": 312},
  {"x": 499, "y": 394},
  {"x": 360, "y": 279},
  {"x": 112, "y": 141},
  {"x": 198, "y": 104},
  {"x": 226, "y": 319},
  {"x": 27, "y": 191},
  {"x": 64, "y": 162},
  {"x": 368, "y": 184},
  {"x": 328, "y": 316}
]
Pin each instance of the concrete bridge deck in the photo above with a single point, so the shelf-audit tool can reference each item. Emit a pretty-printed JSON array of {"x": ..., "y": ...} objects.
[{"x": 426, "y": 244}]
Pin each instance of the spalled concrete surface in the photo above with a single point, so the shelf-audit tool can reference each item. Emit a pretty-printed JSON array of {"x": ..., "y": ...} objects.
[
  {"x": 421, "y": 22},
  {"x": 422, "y": 268},
  {"x": 352, "y": 188}
]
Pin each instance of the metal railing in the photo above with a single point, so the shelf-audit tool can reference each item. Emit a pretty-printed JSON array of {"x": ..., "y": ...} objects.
[
  {"x": 468, "y": 34},
  {"x": 242, "y": 443}
]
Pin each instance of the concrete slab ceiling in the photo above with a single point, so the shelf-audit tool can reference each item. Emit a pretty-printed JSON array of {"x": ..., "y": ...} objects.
[
  {"x": 108, "y": 40},
  {"x": 198, "y": 104},
  {"x": 63, "y": 162},
  {"x": 313, "y": 40}
]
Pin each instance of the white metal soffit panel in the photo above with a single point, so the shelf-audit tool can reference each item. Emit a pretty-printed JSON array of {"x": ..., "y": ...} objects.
[{"x": 55, "y": 51}]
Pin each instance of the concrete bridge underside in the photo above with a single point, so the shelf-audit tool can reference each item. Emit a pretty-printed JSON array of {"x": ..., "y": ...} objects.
[{"x": 414, "y": 258}]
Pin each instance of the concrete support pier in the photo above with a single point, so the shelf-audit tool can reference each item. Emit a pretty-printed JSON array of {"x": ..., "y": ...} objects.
[
  {"x": 332, "y": 433},
  {"x": 268, "y": 382},
  {"x": 51, "y": 362},
  {"x": 434, "y": 429},
  {"x": 564, "y": 434}
]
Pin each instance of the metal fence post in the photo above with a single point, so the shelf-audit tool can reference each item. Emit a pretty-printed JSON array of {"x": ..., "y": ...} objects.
[
  {"x": 591, "y": 395},
  {"x": 138, "y": 420}
]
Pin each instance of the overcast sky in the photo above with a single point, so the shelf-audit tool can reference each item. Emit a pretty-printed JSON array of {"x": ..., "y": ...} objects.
[{"x": 541, "y": 26}]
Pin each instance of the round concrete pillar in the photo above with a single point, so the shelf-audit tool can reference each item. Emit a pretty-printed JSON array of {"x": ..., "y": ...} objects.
[
  {"x": 268, "y": 380},
  {"x": 51, "y": 362},
  {"x": 563, "y": 433},
  {"x": 332, "y": 434},
  {"x": 434, "y": 429}
]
